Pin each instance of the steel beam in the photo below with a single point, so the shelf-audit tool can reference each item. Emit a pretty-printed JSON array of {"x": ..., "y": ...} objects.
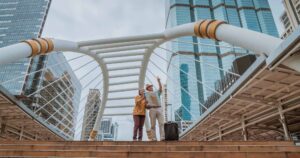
[
  {"x": 244, "y": 129},
  {"x": 125, "y": 54},
  {"x": 116, "y": 45},
  {"x": 123, "y": 90},
  {"x": 120, "y": 98},
  {"x": 124, "y": 67},
  {"x": 119, "y": 106},
  {"x": 124, "y": 75},
  {"x": 283, "y": 123},
  {"x": 123, "y": 82},
  {"x": 21, "y": 132},
  {"x": 120, "y": 114},
  {"x": 123, "y": 61}
]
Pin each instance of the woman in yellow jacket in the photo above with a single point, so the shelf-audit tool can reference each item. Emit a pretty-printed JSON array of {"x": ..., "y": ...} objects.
[{"x": 139, "y": 115}]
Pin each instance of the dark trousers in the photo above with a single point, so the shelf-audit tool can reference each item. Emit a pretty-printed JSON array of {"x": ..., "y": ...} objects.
[{"x": 139, "y": 121}]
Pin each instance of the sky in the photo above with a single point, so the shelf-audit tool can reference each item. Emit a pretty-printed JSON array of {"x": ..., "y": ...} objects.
[{"x": 79, "y": 20}]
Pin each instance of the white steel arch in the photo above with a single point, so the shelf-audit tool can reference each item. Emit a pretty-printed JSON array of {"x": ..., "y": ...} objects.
[{"x": 141, "y": 48}]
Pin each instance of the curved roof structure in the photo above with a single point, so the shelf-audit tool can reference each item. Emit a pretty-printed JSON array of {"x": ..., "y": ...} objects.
[{"x": 139, "y": 48}]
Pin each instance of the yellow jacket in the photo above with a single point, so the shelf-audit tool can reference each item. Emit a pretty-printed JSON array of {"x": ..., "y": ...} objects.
[{"x": 140, "y": 106}]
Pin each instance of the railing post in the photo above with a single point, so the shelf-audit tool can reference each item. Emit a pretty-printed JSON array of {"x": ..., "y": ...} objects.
[
  {"x": 283, "y": 123},
  {"x": 2, "y": 125},
  {"x": 220, "y": 134},
  {"x": 205, "y": 136},
  {"x": 244, "y": 129},
  {"x": 21, "y": 132}
]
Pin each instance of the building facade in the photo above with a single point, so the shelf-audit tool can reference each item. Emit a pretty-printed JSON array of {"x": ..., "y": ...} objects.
[
  {"x": 108, "y": 130},
  {"x": 196, "y": 54},
  {"x": 90, "y": 113},
  {"x": 183, "y": 125},
  {"x": 21, "y": 20},
  {"x": 291, "y": 17},
  {"x": 164, "y": 100},
  {"x": 287, "y": 25},
  {"x": 58, "y": 99}
]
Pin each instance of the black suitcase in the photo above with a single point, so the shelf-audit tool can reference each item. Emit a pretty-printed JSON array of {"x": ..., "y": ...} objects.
[{"x": 171, "y": 131}]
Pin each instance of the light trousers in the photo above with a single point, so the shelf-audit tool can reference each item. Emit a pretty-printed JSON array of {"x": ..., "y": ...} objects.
[{"x": 157, "y": 114}]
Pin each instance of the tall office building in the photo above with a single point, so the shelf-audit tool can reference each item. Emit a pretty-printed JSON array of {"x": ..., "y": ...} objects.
[
  {"x": 58, "y": 100},
  {"x": 21, "y": 20},
  {"x": 291, "y": 17},
  {"x": 90, "y": 113},
  {"x": 193, "y": 59},
  {"x": 108, "y": 130},
  {"x": 183, "y": 125},
  {"x": 164, "y": 100}
]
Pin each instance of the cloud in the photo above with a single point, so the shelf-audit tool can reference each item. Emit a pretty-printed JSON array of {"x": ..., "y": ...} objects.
[{"x": 94, "y": 19}]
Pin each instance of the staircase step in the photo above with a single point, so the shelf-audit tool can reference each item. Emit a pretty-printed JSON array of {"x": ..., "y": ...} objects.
[
  {"x": 148, "y": 148},
  {"x": 270, "y": 143},
  {"x": 63, "y": 153},
  {"x": 172, "y": 149},
  {"x": 175, "y": 154}
]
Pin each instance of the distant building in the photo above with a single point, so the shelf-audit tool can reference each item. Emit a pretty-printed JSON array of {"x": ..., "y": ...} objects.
[
  {"x": 165, "y": 101},
  {"x": 105, "y": 125},
  {"x": 183, "y": 125},
  {"x": 90, "y": 113},
  {"x": 178, "y": 114},
  {"x": 291, "y": 17},
  {"x": 108, "y": 130},
  {"x": 182, "y": 114}
]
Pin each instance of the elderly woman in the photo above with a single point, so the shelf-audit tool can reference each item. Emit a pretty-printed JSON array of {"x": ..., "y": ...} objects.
[{"x": 139, "y": 115}]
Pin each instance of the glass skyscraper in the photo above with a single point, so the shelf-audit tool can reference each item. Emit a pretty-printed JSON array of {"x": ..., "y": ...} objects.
[
  {"x": 54, "y": 93},
  {"x": 192, "y": 63},
  {"x": 21, "y": 20},
  {"x": 90, "y": 113},
  {"x": 57, "y": 104}
]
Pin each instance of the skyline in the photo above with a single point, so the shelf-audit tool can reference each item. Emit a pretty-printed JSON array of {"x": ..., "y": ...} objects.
[
  {"x": 88, "y": 19},
  {"x": 252, "y": 93},
  {"x": 66, "y": 17}
]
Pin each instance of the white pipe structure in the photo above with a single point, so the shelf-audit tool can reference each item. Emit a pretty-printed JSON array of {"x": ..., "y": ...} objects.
[{"x": 110, "y": 48}]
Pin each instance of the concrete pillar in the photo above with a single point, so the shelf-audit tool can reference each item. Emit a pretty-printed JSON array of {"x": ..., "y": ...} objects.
[
  {"x": 244, "y": 129},
  {"x": 283, "y": 123}
]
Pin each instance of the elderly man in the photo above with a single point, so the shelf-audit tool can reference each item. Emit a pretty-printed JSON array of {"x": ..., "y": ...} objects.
[{"x": 155, "y": 109}]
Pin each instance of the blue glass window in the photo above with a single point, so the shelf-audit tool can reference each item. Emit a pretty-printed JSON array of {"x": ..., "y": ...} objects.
[
  {"x": 261, "y": 4},
  {"x": 245, "y": 3},
  {"x": 249, "y": 19},
  {"x": 201, "y": 2}
]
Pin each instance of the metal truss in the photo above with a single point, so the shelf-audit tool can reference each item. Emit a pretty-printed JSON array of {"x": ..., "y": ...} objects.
[{"x": 136, "y": 51}]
